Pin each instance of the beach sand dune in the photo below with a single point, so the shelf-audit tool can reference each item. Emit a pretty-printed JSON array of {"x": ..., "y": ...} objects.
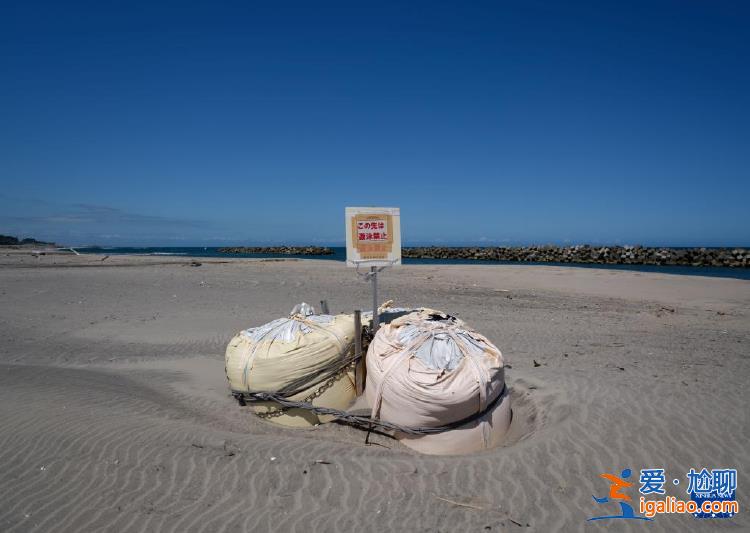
[{"x": 115, "y": 413}]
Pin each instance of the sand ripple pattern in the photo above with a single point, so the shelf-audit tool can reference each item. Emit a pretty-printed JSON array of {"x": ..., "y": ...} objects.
[
  {"x": 114, "y": 413},
  {"x": 92, "y": 450}
]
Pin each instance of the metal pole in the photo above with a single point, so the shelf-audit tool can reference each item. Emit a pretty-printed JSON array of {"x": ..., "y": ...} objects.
[
  {"x": 375, "y": 316},
  {"x": 359, "y": 368}
]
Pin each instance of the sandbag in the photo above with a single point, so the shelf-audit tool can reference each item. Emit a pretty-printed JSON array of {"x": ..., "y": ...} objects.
[
  {"x": 429, "y": 369},
  {"x": 269, "y": 357}
]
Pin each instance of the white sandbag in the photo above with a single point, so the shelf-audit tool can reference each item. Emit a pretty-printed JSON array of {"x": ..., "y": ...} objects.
[
  {"x": 270, "y": 357},
  {"x": 428, "y": 369}
]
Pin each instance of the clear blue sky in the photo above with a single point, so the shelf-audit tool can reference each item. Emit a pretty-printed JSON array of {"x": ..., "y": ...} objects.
[{"x": 498, "y": 122}]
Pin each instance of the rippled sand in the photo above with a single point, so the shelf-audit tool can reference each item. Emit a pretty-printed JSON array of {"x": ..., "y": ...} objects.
[{"x": 115, "y": 413}]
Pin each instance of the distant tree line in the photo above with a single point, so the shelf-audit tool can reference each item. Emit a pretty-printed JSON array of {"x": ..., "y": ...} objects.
[{"x": 7, "y": 240}]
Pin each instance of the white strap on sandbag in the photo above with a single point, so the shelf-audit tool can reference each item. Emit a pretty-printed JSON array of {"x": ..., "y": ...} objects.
[
  {"x": 454, "y": 344},
  {"x": 405, "y": 354}
]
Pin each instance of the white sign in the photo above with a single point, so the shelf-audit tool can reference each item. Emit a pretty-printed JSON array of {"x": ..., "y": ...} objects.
[{"x": 373, "y": 236}]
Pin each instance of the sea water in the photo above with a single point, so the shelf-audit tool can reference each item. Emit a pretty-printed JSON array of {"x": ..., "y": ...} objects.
[{"x": 339, "y": 254}]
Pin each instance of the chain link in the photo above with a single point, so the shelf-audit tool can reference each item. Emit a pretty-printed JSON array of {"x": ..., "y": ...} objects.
[
  {"x": 275, "y": 412},
  {"x": 366, "y": 421}
]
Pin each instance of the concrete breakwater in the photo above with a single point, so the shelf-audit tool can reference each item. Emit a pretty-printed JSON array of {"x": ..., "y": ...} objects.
[
  {"x": 288, "y": 250},
  {"x": 633, "y": 255}
]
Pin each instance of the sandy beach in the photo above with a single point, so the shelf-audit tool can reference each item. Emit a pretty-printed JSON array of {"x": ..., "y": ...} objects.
[{"x": 116, "y": 416}]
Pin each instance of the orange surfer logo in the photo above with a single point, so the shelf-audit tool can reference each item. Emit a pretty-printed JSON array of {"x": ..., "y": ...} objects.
[{"x": 616, "y": 485}]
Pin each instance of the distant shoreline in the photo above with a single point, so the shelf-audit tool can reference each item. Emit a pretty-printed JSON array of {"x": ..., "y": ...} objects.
[
  {"x": 724, "y": 262},
  {"x": 287, "y": 250},
  {"x": 580, "y": 254},
  {"x": 98, "y": 256},
  {"x": 585, "y": 254}
]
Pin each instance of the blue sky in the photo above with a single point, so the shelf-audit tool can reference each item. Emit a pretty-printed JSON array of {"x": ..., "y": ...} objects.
[{"x": 497, "y": 122}]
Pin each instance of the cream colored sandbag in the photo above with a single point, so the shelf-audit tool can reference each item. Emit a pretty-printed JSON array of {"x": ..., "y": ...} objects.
[
  {"x": 427, "y": 369},
  {"x": 277, "y": 354},
  {"x": 467, "y": 438},
  {"x": 340, "y": 396}
]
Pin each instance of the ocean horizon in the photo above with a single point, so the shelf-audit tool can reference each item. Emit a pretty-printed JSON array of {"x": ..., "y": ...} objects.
[{"x": 339, "y": 254}]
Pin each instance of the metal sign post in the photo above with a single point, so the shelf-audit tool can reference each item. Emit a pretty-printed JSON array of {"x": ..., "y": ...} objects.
[
  {"x": 360, "y": 369},
  {"x": 373, "y": 238},
  {"x": 375, "y": 314}
]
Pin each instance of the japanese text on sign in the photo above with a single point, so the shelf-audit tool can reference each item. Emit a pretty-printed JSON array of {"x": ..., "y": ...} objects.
[{"x": 373, "y": 236}]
